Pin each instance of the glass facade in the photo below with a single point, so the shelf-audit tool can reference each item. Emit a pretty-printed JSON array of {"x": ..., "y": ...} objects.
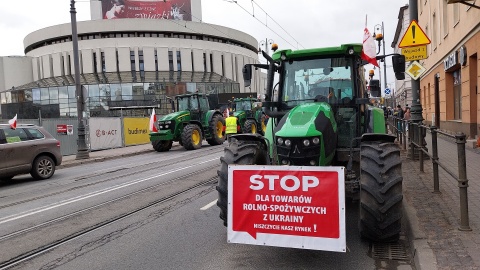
[{"x": 108, "y": 100}]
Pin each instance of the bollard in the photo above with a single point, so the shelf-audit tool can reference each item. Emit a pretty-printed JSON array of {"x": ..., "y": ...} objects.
[
  {"x": 420, "y": 148},
  {"x": 436, "y": 185},
  {"x": 462, "y": 182}
]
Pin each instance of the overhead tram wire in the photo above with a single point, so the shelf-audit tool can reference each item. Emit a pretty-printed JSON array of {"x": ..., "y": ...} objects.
[
  {"x": 253, "y": 15},
  {"x": 278, "y": 24}
]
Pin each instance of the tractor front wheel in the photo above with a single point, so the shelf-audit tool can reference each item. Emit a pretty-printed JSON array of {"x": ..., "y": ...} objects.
[
  {"x": 192, "y": 137},
  {"x": 162, "y": 145},
  {"x": 242, "y": 153},
  {"x": 250, "y": 127},
  {"x": 216, "y": 130},
  {"x": 380, "y": 191}
]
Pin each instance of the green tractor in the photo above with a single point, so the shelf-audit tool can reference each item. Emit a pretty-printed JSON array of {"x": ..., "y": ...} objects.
[
  {"x": 321, "y": 115},
  {"x": 250, "y": 116},
  {"x": 192, "y": 122}
]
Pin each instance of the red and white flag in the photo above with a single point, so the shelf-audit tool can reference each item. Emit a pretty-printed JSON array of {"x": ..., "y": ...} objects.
[
  {"x": 153, "y": 121},
  {"x": 369, "y": 50},
  {"x": 13, "y": 122}
]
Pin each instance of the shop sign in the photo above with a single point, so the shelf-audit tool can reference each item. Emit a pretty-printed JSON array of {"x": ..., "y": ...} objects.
[{"x": 450, "y": 61}]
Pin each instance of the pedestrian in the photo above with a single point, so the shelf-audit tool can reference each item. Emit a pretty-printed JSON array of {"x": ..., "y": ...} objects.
[
  {"x": 231, "y": 126},
  {"x": 406, "y": 116},
  {"x": 399, "y": 115}
]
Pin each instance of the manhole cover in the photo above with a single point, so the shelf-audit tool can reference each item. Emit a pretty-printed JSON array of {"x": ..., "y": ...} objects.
[{"x": 389, "y": 251}]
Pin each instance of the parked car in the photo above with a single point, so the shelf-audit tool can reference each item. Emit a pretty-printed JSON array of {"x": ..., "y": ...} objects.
[{"x": 28, "y": 149}]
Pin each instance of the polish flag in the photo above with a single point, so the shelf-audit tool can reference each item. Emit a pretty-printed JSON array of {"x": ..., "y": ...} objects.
[
  {"x": 13, "y": 122},
  {"x": 369, "y": 50},
  {"x": 153, "y": 121}
]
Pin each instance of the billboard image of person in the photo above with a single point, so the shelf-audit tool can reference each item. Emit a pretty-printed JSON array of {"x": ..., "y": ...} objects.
[{"x": 147, "y": 9}]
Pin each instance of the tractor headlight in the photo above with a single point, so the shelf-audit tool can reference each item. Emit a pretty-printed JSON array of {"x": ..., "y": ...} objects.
[
  {"x": 283, "y": 57},
  {"x": 312, "y": 162},
  {"x": 306, "y": 142},
  {"x": 351, "y": 51},
  {"x": 285, "y": 162},
  {"x": 316, "y": 140},
  {"x": 288, "y": 142},
  {"x": 168, "y": 122},
  {"x": 161, "y": 127},
  {"x": 167, "y": 126},
  {"x": 280, "y": 141}
]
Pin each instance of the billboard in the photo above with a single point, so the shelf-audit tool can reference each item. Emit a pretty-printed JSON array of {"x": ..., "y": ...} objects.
[
  {"x": 147, "y": 9},
  {"x": 135, "y": 131}
]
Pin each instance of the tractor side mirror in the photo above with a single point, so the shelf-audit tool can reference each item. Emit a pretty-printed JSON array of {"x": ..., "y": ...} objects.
[
  {"x": 247, "y": 75},
  {"x": 374, "y": 87},
  {"x": 398, "y": 62}
]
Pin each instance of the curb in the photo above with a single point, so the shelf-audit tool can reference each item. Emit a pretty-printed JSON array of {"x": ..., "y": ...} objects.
[
  {"x": 99, "y": 159},
  {"x": 423, "y": 255}
]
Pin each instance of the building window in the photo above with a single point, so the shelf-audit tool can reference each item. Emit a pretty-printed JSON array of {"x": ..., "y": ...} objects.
[
  {"x": 223, "y": 66},
  {"x": 457, "y": 95},
  {"x": 69, "y": 65},
  {"x": 95, "y": 63},
  {"x": 434, "y": 31},
  {"x": 132, "y": 61},
  {"x": 204, "y": 62},
  {"x": 191, "y": 55},
  {"x": 62, "y": 63},
  {"x": 141, "y": 65},
  {"x": 179, "y": 61},
  {"x": 456, "y": 14},
  {"x": 211, "y": 62},
  {"x": 170, "y": 60},
  {"x": 118, "y": 61},
  {"x": 104, "y": 68},
  {"x": 156, "y": 61},
  {"x": 445, "y": 18}
]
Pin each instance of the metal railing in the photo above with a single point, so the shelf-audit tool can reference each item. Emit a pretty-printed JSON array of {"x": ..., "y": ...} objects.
[{"x": 417, "y": 144}]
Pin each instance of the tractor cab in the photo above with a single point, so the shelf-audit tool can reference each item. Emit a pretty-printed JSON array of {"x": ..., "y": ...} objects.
[{"x": 196, "y": 104}]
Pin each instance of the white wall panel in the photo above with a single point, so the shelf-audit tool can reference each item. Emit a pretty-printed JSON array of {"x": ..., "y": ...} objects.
[
  {"x": 217, "y": 62},
  {"x": 227, "y": 64},
  {"x": 124, "y": 59},
  {"x": 186, "y": 59},
  {"x": 149, "y": 58},
  {"x": 46, "y": 65},
  {"x": 198, "y": 60},
  {"x": 110, "y": 59},
  {"x": 87, "y": 62},
  {"x": 162, "y": 55},
  {"x": 57, "y": 64}
]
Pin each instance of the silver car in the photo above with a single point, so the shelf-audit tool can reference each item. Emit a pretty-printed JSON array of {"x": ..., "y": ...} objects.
[{"x": 28, "y": 149}]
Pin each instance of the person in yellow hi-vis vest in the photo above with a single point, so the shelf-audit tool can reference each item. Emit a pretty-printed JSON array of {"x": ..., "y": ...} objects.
[{"x": 231, "y": 124}]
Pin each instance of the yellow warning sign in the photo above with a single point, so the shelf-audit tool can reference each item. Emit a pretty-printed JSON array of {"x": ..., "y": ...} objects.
[
  {"x": 414, "y": 36},
  {"x": 415, "y": 53}
]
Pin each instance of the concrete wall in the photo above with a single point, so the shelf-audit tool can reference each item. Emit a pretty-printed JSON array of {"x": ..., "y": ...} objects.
[{"x": 15, "y": 71}]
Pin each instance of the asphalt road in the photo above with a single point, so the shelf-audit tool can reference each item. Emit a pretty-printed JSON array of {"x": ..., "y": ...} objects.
[{"x": 181, "y": 232}]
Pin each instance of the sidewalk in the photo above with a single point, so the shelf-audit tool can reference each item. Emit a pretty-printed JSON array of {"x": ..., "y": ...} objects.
[{"x": 435, "y": 218}]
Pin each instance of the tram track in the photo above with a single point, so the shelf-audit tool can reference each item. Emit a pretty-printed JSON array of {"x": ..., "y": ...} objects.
[
  {"x": 144, "y": 167},
  {"x": 112, "y": 210}
]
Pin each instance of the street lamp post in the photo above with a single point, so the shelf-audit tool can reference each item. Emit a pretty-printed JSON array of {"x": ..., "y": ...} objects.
[
  {"x": 82, "y": 149},
  {"x": 379, "y": 36},
  {"x": 267, "y": 42}
]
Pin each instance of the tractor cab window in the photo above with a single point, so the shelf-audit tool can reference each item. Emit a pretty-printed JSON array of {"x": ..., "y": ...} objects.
[
  {"x": 328, "y": 79},
  {"x": 183, "y": 104},
  {"x": 244, "y": 105},
  {"x": 193, "y": 103},
  {"x": 204, "y": 104}
]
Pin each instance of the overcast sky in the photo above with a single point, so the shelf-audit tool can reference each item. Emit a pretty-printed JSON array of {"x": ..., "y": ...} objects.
[{"x": 305, "y": 23}]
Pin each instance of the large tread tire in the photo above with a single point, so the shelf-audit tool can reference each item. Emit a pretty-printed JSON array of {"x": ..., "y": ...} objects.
[
  {"x": 250, "y": 127},
  {"x": 43, "y": 167},
  {"x": 242, "y": 153},
  {"x": 192, "y": 137},
  {"x": 216, "y": 129},
  {"x": 162, "y": 145},
  {"x": 380, "y": 191}
]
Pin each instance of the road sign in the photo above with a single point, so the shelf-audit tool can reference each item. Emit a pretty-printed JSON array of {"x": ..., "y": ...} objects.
[
  {"x": 415, "y": 53},
  {"x": 415, "y": 70},
  {"x": 387, "y": 91},
  {"x": 287, "y": 206},
  {"x": 414, "y": 36}
]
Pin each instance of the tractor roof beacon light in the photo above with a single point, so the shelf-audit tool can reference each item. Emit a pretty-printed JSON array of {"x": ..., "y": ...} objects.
[{"x": 274, "y": 47}]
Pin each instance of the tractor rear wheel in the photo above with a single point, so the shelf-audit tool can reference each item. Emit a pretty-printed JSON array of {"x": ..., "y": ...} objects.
[
  {"x": 162, "y": 145},
  {"x": 216, "y": 130},
  {"x": 380, "y": 191},
  {"x": 250, "y": 126},
  {"x": 192, "y": 137},
  {"x": 242, "y": 153}
]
